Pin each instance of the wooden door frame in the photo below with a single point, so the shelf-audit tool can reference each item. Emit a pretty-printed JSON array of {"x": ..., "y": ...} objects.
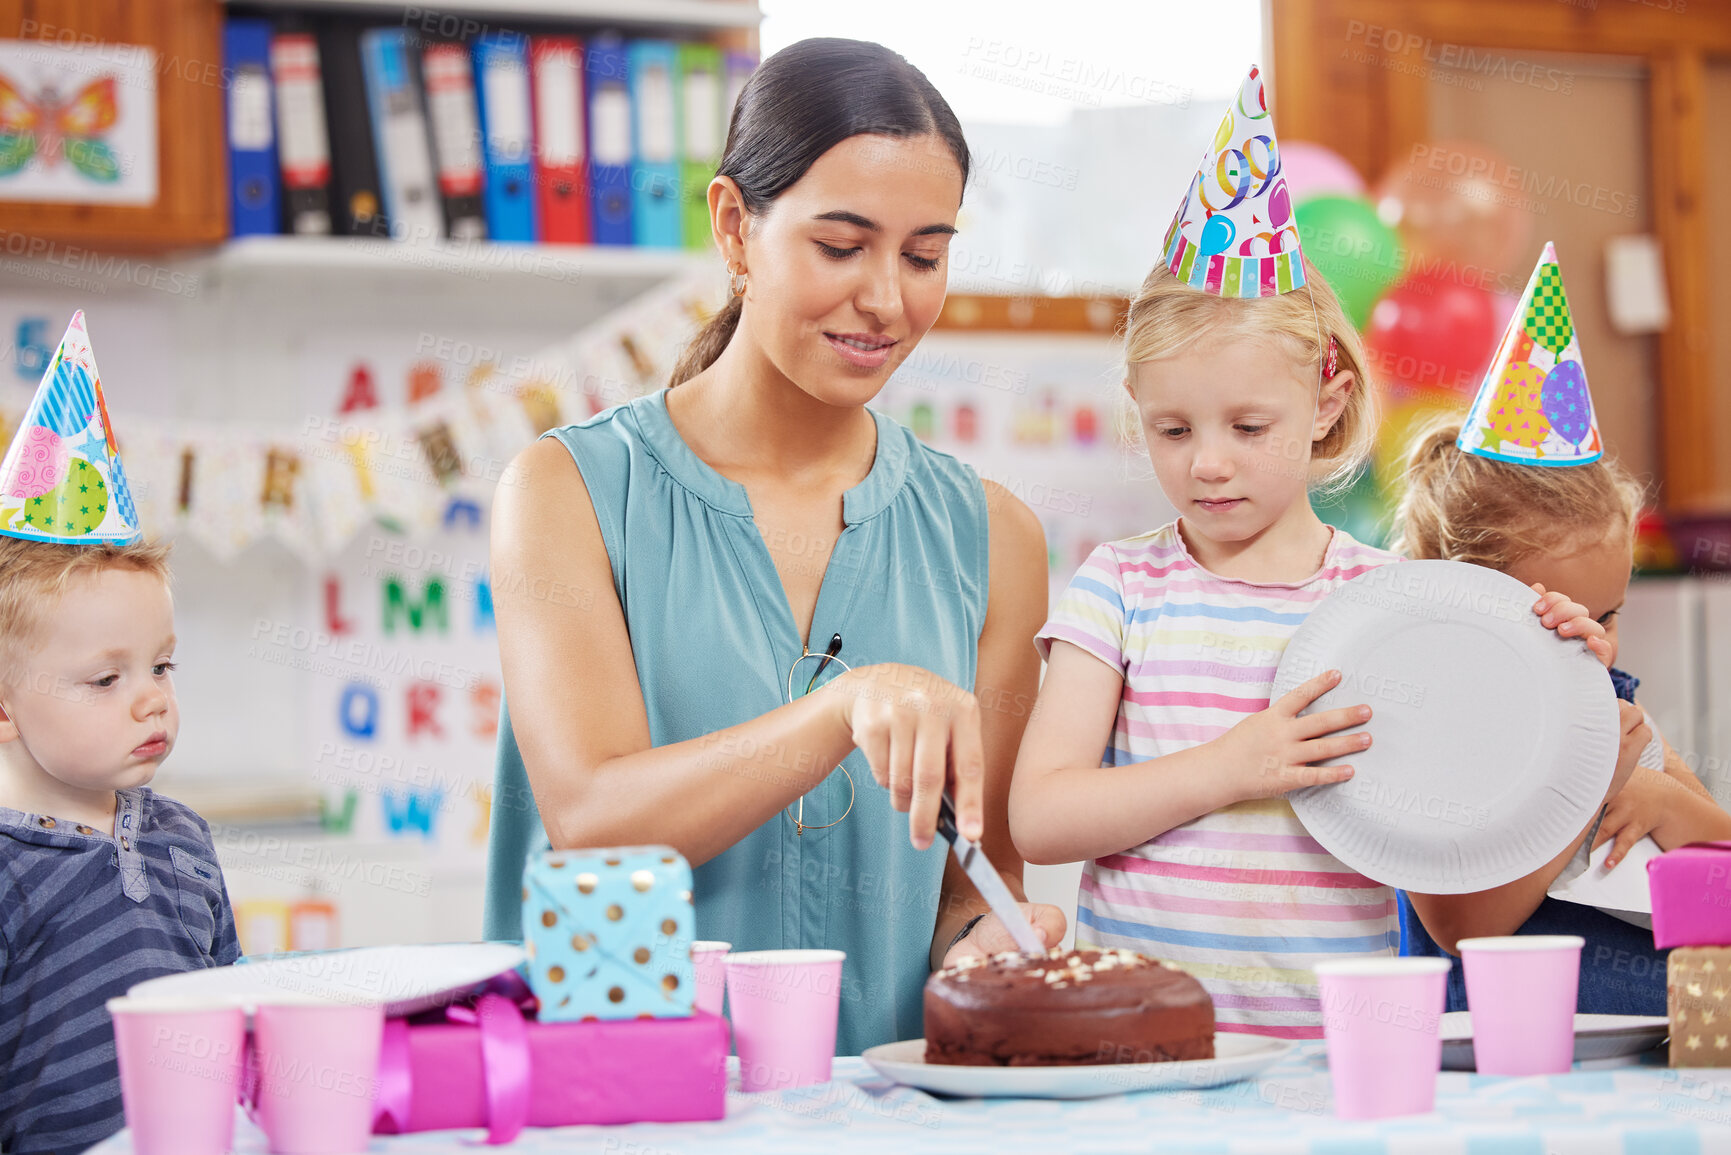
[{"x": 1371, "y": 116}]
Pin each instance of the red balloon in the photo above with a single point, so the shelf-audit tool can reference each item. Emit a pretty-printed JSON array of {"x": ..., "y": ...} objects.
[{"x": 1430, "y": 331}]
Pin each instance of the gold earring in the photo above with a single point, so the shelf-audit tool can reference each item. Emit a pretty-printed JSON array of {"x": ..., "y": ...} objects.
[{"x": 735, "y": 282}]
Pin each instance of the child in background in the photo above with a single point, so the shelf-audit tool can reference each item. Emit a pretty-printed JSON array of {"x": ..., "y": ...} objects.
[
  {"x": 1162, "y": 652},
  {"x": 103, "y": 884},
  {"x": 1524, "y": 489}
]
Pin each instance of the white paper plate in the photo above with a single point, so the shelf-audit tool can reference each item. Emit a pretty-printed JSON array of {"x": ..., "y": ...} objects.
[
  {"x": 1495, "y": 740},
  {"x": 1597, "y": 1037},
  {"x": 406, "y": 979},
  {"x": 1236, "y": 1057}
]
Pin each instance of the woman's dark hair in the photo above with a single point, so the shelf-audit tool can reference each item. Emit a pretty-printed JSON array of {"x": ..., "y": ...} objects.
[{"x": 799, "y": 104}]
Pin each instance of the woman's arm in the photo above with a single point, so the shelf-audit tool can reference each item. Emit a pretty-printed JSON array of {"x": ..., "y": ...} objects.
[
  {"x": 1007, "y": 679},
  {"x": 577, "y": 706}
]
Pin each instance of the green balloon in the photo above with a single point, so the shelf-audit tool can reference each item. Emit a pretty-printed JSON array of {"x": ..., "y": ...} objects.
[{"x": 1356, "y": 253}]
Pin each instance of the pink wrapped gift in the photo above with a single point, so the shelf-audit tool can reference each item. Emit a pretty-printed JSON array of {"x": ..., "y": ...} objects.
[
  {"x": 1691, "y": 889},
  {"x": 490, "y": 1066}
]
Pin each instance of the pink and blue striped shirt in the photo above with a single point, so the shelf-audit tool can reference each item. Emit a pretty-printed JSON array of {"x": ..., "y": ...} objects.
[{"x": 1242, "y": 898}]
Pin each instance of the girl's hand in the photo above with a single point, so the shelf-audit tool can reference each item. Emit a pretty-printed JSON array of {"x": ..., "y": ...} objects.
[
  {"x": 918, "y": 733},
  {"x": 1571, "y": 620},
  {"x": 989, "y": 936},
  {"x": 1635, "y": 734},
  {"x": 1635, "y": 812},
  {"x": 1270, "y": 752}
]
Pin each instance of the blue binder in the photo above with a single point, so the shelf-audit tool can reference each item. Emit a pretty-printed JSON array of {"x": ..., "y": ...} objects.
[
  {"x": 656, "y": 213},
  {"x": 255, "y": 184},
  {"x": 502, "y": 94},
  {"x": 400, "y": 135},
  {"x": 610, "y": 146}
]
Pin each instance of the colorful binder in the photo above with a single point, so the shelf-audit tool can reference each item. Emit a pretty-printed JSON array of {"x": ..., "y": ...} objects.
[
  {"x": 254, "y": 191},
  {"x": 303, "y": 142},
  {"x": 400, "y": 135},
  {"x": 704, "y": 133},
  {"x": 562, "y": 188},
  {"x": 609, "y": 140},
  {"x": 456, "y": 126},
  {"x": 502, "y": 84},
  {"x": 356, "y": 208},
  {"x": 655, "y": 207}
]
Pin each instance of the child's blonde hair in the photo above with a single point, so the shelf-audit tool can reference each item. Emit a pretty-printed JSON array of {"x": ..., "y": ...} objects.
[
  {"x": 35, "y": 574},
  {"x": 1168, "y": 315},
  {"x": 1461, "y": 507}
]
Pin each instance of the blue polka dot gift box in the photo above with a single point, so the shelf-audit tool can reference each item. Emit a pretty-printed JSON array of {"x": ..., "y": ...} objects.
[{"x": 608, "y": 933}]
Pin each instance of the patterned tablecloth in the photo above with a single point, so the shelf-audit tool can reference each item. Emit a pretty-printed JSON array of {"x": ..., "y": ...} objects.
[{"x": 1631, "y": 1110}]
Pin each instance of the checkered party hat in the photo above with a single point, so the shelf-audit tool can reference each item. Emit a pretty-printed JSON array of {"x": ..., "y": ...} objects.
[
  {"x": 1533, "y": 405},
  {"x": 1235, "y": 234},
  {"x": 61, "y": 479}
]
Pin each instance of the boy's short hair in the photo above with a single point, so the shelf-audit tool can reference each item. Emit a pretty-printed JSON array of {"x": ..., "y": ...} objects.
[{"x": 34, "y": 575}]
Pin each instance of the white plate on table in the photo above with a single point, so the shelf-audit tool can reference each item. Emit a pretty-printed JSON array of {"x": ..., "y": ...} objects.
[
  {"x": 1495, "y": 740},
  {"x": 1596, "y": 1037},
  {"x": 1236, "y": 1057},
  {"x": 406, "y": 979}
]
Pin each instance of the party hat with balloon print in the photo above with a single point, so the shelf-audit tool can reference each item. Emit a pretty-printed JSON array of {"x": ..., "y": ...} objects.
[
  {"x": 1533, "y": 406},
  {"x": 61, "y": 479},
  {"x": 1235, "y": 234}
]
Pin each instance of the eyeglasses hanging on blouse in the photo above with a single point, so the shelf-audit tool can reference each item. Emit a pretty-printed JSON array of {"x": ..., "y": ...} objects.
[{"x": 800, "y": 825}]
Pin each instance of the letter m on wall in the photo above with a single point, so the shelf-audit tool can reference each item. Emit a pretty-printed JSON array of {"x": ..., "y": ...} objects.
[{"x": 430, "y": 611}]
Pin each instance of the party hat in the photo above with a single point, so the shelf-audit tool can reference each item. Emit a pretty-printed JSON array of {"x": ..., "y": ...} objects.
[
  {"x": 61, "y": 479},
  {"x": 1533, "y": 405},
  {"x": 1235, "y": 234}
]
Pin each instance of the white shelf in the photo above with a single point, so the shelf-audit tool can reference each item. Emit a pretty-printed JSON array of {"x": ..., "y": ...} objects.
[
  {"x": 481, "y": 261},
  {"x": 671, "y": 13}
]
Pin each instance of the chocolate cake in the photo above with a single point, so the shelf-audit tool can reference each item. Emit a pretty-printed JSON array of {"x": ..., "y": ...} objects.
[{"x": 1066, "y": 1008}]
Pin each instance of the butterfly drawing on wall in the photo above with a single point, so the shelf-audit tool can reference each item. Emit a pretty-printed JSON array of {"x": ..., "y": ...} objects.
[{"x": 49, "y": 128}]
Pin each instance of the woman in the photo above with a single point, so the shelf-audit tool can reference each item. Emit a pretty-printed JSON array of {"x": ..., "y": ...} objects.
[{"x": 729, "y": 532}]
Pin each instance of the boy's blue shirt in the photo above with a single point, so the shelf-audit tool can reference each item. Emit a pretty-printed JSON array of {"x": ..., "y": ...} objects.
[{"x": 83, "y": 917}]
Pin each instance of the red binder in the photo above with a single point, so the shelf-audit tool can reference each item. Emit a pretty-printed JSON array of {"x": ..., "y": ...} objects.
[{"x": 561, "y": 155}]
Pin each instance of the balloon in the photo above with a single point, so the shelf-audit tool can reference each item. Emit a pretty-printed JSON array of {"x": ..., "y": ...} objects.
[
  {"x": 1355, "y": 252},
  {"x": 1565, "y": 402},
  {"x": 1314, "y": 171},
  {"x": 1433, "y": 331},
  {"x": 1405, "y": 413},
  {"x": 1451, "y": 204}
]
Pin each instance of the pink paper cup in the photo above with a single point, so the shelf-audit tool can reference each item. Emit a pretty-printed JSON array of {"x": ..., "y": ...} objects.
[
  {"x": 1521, "y": 992},
  {"x": 1379, "y": 1017},
  {"x": 706, "y": 959},
  {"x": 784, "y": 1005},
  {"x": 180, "y": 1070},
  {"x": 318, "y": 1068}
]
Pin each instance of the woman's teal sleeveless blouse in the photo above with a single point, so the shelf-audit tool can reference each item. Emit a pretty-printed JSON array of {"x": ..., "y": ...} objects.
[{"x": 713, "y": 639}]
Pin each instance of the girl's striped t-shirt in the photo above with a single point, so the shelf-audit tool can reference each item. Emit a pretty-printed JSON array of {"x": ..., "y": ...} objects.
[{"x": 1242, "y": 898}]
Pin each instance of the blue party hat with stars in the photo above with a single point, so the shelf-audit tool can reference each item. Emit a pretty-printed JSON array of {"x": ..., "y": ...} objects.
[
  {"x": 61, "y": 480},
  {"x": 1533, "y": 406}
]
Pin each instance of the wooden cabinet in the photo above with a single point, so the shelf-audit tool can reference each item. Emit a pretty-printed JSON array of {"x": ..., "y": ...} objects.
[{"x": 191, "y": 205}]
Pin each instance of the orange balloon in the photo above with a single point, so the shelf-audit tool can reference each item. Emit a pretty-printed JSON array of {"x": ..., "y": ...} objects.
[{"x": 1460, "y": 208}]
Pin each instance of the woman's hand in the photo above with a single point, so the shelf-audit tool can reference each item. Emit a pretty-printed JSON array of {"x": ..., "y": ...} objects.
[
  {"x": 989, "y": 936},
  {"x": 918, "y": 733},
  {"x": 1272, "y": 751},
  {"x": 1571, "y": 620}
]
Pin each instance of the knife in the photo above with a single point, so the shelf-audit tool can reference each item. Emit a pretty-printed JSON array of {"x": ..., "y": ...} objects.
[{"x": 989, "y": 883}]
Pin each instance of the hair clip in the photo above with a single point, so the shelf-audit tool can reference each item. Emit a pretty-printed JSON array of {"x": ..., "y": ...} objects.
[{"x": 1331, "y": 363}]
